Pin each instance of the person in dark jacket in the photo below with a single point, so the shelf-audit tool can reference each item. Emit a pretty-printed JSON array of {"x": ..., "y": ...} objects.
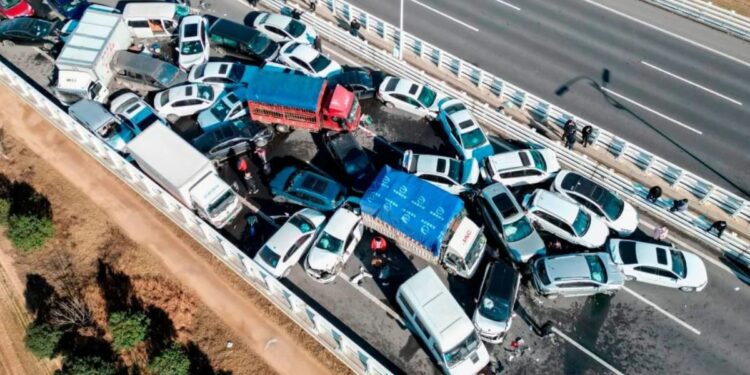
[
  {"x": 570, "y": 126},
  {"x": 313, "y": 5},
  {"x": 354, "y": 27},
  {"x": 653, "y": 194},
  {"x": 679, "y": 205},
  {"x": 719, "y": 226},
  {"x": 570, "y": 139},
  {"x": 317, "y": 44},
  {"x": 586, "y": 135}
]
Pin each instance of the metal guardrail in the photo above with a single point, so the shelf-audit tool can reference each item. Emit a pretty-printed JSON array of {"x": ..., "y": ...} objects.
[
  {"x": 635, "y": 193},
  {"x": 647, "y": 162},
  {"x": 708, "y": 14},
  {"x": 325, "y": 332}
]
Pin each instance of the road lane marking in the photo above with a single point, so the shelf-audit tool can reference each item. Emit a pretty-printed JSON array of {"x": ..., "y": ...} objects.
[
  {"x": 509, "y": 5},
  {"x": 588, "y": 352},
  {"x": 446, "y": 16},
  {"x": 659, "y": 309},
  {"x": 684, "y": 39},
  {"x": 652, "y": 110},
  {"x": 690, "y": 82}
]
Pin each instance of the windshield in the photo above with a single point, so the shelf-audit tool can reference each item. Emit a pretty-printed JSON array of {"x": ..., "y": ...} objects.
[
  {"x": 517, "y": 230},
  {"x": 236, "y": 73},
  {"x": 355, "y": 161},
  {"x": 494, "y": 307},
  {"x": 295, "y": 28},
  {"x": 164, "y": 99},
  {"x": 462, "y": 350},
  {"x": 353, "y": 112},
  {"x": 71, "y": 5},
  {"x": 319, "y": 63},
  {"x": 205, "y": 92},
  {"x": 473, "y": 255},
  {"x": 678, "y": 263},
  {"x": 596, "y": 267},
  {"x": 268, "y": 256},
  {"x": 454, "y": 170},
  {"x": 218, "y": 205},
  {"x": 9, "y": 3},
  {"x": 144, "y": 122},
  {"x": 539, "y": 162},
  {"x": 191, "y": 48},
  {"x": 220, "y": 110},
  {"x": 473, "y": 138},
  {"x": 168, "y": 73},
  {"x": 611, "y": 204},
  {"x": 582, "y": 223},
  {"x": 329, "y": 243},
  {"x": 259, "y": 44},
  {"x": 427, "y": 96},
  {"x": 302, "y": 223}
]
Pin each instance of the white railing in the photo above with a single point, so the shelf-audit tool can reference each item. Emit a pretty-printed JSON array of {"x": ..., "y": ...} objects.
[
  {"x": 708, "y": 14},
  {"x": 466, "y": 73},
  {"x": 325, "y": 332},
  {"x": 635, "y": 193}
]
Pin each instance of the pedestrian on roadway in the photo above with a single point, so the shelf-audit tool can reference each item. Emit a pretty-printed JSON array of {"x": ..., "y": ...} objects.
[
  {"x": 586, "y": 135},
  {"x": 720, "y": 226},
  {"x": 317, "y": 44},
  {"x": 313, "y": 5},
  {"x": 570, "y": 126},
  {"x": 296, "y": 14},
  {"x": 570, "y": 139},
  {"x": 661, "y": 232},
  {"x": 243, "y": 166},
  {"x": 653, "y": 194},
  {"x": 354, "y": 27},
  {"x": 680, "y": 205},
  {"x": 260, "y": 152}
]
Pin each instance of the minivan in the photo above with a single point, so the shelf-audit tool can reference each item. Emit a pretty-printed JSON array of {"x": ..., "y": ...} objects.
[
  {"x": 146, "y": 72},
  {"x": 242, "y": 41},
  {"x": 438, "y": 320},
  {"x": 154, "y": 20}
]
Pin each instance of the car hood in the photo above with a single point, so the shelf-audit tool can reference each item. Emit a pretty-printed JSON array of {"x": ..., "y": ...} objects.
[
  {"x": 489, "y": 326},
  {"x": 696, "y": 270},
  {"x": 471, "y": 172},
  {"x": 322, "y": 260},
  {"x": 553, "y": 166},
  {"x": 481, "y": 152},
  {"x": 528, "y": 247},
  {"x": 188, "y": 61},
  {"x": 627, "y": 223},
  {"x": 597, "y": 234}
]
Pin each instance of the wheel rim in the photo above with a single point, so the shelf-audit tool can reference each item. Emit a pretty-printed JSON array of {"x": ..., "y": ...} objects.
[{"x": 687, "y": 289}]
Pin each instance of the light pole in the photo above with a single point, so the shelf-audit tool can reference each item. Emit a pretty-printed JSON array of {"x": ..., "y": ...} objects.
[{"x": 401, "y": 33}]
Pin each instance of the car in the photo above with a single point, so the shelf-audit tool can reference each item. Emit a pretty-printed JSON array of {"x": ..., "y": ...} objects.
[
  {"x": 507, "y": 223},
  {"x": 145, "y": 72},
  {"x": 102, "y": 123},
  {"x": 281, "y": 28},
  {"x": 135, "y": 111},
  {"x": 290, "y": 242},
  {"x": 185, "y": 100},
  {"x": 217, "y": 73},
  {"x": 521, "y": 167},
  {"x": 409, "y": 96},
  {"x": 619, "y": 215},
  {"x": 303, "y": 57},
  {"x": 363, "y": 82},
  {"x": 16, "y": 8},
  {"x": 29, "y": 31},
  {"x": 565, "y": 219},
  {"x": 739, "y": 262},
  {"x": 576, "y": 275},
  {"x": 241, "y": 41},
  {"x": 351, "y": 158},
  {"x": 497, "y": 298},
  {"x": 334, "y": 245},
  {"x": 193, "y": 43},
  {"x": 69, "y": 9},
  {"x": 463, "y": 132},
  {"x": 656, "y": 264},
  {"x": 235, "y": 136},
  {"x": 227, "y": 107},
  {"x": 306, "y": 188},
  {"x": 452, "y": 175}
]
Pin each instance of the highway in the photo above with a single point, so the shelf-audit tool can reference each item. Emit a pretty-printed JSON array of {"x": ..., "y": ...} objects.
[{"x": 677, "y": 88}]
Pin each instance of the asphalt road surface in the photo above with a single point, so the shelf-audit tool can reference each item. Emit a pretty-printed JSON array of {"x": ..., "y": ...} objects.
[{"x": 678, "y": 89}]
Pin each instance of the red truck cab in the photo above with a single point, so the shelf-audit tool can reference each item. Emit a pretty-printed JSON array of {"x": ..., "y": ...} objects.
[
  {"x": 341, "y": 110},
  {"x": 16, "y": 8}
]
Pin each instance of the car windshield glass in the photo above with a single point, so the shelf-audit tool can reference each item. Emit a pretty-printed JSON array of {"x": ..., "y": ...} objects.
[
  {"x": 302, "y": 223},
  {"x": 192, "y": 47},
  {"x": 268, "y": 256},
  {"x": 164, "y": 99},
  {"x": 220, "y": 110},
  {"x": 40, "y": 28},
  {"x": 427, "y": 96},
  {"x": 330, "y": 243},
  {"x": 451, "y": 109},
  {"x": 454, "y": 170},
  {"x": 517, "y": 230},
  {"x": 678, "y": 263},
  {"x": 596, "y": 266},
  {"x": 72, "y": 5},
  {"x": 319, "y": 63},
  {"x": 259, "y": 44},
  {"x": 167, "y": 73},
  {"x": 205, "y": 92},
  {"x": 236, "y": 73},
  {"x": 217, "y": 206},
  {"x": 355, "y": 161},
  {"x": 611, "y": 204},
  {"x": 473, "y": 255},
  {"x": 473, "y": 138},
  {"x": 9, "y": 3},
  {"x": 295, "y": 28},
  {"x": 462, "y": 350},
  {"x": 581, "y": 223},
  {"x": 538, "y": 160}
]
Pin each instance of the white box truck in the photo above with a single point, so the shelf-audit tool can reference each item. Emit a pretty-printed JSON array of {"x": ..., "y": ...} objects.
[
  {"x": 83, "y": 66},
  {"x": 185, "y": 173}
]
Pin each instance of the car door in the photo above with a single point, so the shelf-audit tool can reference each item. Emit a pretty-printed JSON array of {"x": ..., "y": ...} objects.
[
  {"x": 295, "y": 252},
  {"x": 551, "y": 224},
  {"x": 648, "y": 274},
  {"x": 276, "y": 34},
  {"x": 296, "y": 62},
  {"x": 586, "y": 203},
  {"x": 405, "y": 103}
]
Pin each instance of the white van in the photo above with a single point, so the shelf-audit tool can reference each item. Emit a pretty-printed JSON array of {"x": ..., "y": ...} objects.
[
  {"x": 435, "y": 317},
  {"x": 154, "y": 20}
]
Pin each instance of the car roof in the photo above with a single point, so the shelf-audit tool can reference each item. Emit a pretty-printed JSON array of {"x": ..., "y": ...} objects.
[
  {"x": 187, "y": 21},
  {"x": 283, "y": 239},
  {"x": 502, "y": 200},
  {"x": 574, "y": 266},
  {"x": 217, "y": 69},
  {"x": 647, "y": 254},
  {"x": 341, "y": 223},
  {"x": 278, "y": 20},
  {"x": 186, "y": 91},
  {"x": 315, "y": 183},
  {"x": 235, "y": 30},
  {"x": 554, "y": 204},
  {"x": 463, "y": 120},
  {"x": 434, "y": 164},
  {"x": 510, "y": 160},
  {"x": 304, "y": 52}
]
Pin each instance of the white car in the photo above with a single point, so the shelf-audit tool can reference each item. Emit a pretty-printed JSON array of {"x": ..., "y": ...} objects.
[
  {"x": 227, "y": 107},
  {"x": 308, "y": 59},
  {"x": 334, "y": 245},
  {"x": 463, "y": 132},
  {"x": 282, "y": 28},
  {"x": 565, "y": 219},
  {"x": 193, "y": 48},
  {"x": 521, "y": 167},
  {"x": 452, "y": 175},
  {"x": 217, "y": 73},
  {"x": 185, "y": 100},
  {"x": 285, "y": 247},
  {"x": 619, "y": 215},
  {"x": 409, "y": 96},
  {"x": 131, "y": 108},
  {"x": 659, "y": 265}
]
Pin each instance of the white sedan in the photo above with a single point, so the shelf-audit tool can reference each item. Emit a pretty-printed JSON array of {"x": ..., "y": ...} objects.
[
  {"x": 217, "y": 73},
  {"x": 308, "y": 59},
  {"x": 619, "y": 215},
  {"x": 334, "y": 245},
  {"x": 185, "y": 100},
  {"x": 452, "y": 175},
  {"x": 193, "y": 48},
  {"x": 227, "y": 107},
  {"x": 285, "y": 248},
  {"x": 521, "y": 167},
  {"x": 281, "y": 28},
  {"x": 409, "y": 96},
  {"x": 659, "y": 265}
]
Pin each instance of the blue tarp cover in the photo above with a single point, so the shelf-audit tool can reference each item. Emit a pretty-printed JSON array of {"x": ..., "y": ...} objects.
[
  {"x": 283, "y": 89},
  {"x": 415, "y": 207}
]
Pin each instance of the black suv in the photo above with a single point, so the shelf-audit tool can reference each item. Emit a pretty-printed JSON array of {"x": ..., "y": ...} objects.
[
  {"x": 29, "y": 31},
  {"x": 242, "y": 41},
  {"x": 236, "y": 136}
]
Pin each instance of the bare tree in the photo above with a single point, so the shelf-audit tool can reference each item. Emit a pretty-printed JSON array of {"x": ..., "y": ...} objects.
[{"x": 71, "y": 312}]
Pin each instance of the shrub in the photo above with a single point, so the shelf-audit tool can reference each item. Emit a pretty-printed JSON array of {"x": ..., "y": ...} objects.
[
  {"x": 42, "y": 339},
  {"x": 29, "y": 232},
  {"x": 4, "y": 210},
  {"x": 128, "y": 329},
  {"x": 171, "y": 361},
  {"x": 87, "y": 366}
]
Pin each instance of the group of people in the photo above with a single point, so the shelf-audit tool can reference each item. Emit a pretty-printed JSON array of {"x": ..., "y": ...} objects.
[
  {"x": 679, "y": 205},
  {"x": 569, "y": 134}
]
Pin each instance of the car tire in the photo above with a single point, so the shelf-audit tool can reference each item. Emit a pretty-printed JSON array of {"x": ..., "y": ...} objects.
[
  {"x": 687, "y": 289},
  {"x": 389, "y": 105},
  {"x": 8, "y": 43}
]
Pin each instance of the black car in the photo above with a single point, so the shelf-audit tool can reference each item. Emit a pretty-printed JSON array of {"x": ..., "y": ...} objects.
[
  {"x": 29, "y": 31},
  {"x": 352, "y": 158},
  {"x": 496, "y": 300},
  {"x": 739, "y": 261},
  {"x": 363, "y": 82},
  {"x": 242, "y": 41},
  {"x": 236, "y": 136}
]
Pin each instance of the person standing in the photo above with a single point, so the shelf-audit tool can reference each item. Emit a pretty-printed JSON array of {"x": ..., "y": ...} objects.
[
  {"x": 243, "y": 166},
  {"x": 720, "y": 226},
  {"x": 586, "y": 134},
  {"x": 661, "y": 232},
  {"x": 653, "y": 194},
  {"x": 570, "y": 126},
  {"x": 317, "y": 44},
  {"x": 680, "y": 205},
  {"x": 313, "y": 5},
  {"x": 354, "y": 27},
  {"x": 570, "y": 139}
]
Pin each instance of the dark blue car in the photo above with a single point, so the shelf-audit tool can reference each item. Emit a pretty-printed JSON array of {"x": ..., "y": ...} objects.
[
  {"x": 305, "y": 188},
  {"x": 69, "y": 9}
]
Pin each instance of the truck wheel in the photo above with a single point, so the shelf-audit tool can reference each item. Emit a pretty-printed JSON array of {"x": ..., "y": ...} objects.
[{"x": 282, "y": 129}]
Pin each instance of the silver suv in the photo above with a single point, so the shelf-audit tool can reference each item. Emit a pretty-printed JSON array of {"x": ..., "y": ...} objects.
[{"x": 576, "y": 275}]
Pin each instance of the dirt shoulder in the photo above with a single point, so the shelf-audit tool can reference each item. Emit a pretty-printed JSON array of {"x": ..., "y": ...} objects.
[
  {"x": 250, "y": 319},
  {"x": 740, "y": 6}
]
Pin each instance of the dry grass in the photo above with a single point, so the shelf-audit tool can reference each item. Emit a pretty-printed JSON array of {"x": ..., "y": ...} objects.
[{"x": 740, "y": 6}]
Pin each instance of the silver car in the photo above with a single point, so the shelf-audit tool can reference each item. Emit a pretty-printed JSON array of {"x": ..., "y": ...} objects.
[
  {"x": 576, "y": 275},
  {"x": 508, "y": 224}
]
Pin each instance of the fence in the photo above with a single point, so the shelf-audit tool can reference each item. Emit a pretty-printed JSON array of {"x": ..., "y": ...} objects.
[
  {"x": 688, "y": 221},
  {"x": 708, "y": 14},
  {"x": 328, "y": 335},
  {"x": 647, "y": 162}
]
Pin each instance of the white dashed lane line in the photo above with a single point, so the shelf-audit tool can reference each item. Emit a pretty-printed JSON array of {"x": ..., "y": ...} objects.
[
  {"x": 706, "y": 89},
  {"x": 464, "y": 24},
  {"x": 623, "y": 97}
]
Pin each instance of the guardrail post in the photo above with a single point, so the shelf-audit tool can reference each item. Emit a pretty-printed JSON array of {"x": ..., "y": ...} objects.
[
  {"x": 332, "y": 6},
  {"x": 709, "y": 191},
  {"x": 741, "y": 207}
]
